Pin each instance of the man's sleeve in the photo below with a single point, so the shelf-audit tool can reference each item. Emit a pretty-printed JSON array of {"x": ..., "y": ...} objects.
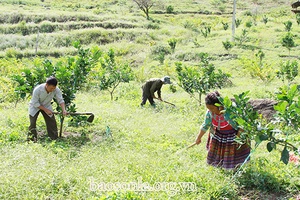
[
  {"x": 156, "y": 86},
  {"x": 58, "y": 96},
  {"x": 159, "y": 92},
  {"x": 35, "y": 98},
  {"x": 153, "y": 88}
]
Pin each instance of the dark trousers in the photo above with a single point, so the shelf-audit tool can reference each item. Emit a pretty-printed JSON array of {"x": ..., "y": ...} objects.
[
  {"x": 50, "y": 124},
  {"x": 149, "y": 98}
]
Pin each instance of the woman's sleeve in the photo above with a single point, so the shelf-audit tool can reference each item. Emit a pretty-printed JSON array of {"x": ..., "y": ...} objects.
[{"x": 207, "y": 122}]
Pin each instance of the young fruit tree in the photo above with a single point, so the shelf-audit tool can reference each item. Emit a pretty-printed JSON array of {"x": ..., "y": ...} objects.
[
  {"x": 108, "y": 74},
  {"x": 288, "y": 41},
  {"x": 202, "y": 78},
  {"x": 279, "y": 132},
  {"x": 288, "y": 71},
  {"x": 71, "y": 73}
]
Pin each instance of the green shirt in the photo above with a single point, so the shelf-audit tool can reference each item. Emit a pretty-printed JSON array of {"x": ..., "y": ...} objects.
[{"x": 151, "y": 86}]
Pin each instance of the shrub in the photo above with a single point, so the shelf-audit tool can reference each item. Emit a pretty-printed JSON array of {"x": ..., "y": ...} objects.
[
  {"x": 227, "y": 45},
  {"x": 288, "y": 71},
  {"x": 159, "y": 49},
  {"x": 288, "y": 41},
  {"x": 152, "y": 25},
  {"x": 257, "y": 68},
  {"x": 288, "y": 26},
  {"x": 170, "y": 9},
  {"x": 225, "y": 25},
  {"x": 47, "y": 27},
  {"x": 265, "y": 19},
  {"x": 241, "y": 39},
  {"x": 172, "y": 43},
  {"x": 238, "y": 22},
  {"x": 23, "y": 29},
  {"x": 249, "y": 24}
]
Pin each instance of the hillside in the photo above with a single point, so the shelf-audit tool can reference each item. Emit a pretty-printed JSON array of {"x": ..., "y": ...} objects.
[{"x": 147, "y": 145}]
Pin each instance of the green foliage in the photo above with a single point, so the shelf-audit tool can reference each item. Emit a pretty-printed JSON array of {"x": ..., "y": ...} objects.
[
  {"x": 108, "y": 74},
  {"x": 173, "y": 88},
  {"x": 238, "y": 22},
  {"x": 225, "y": 25},
  {"x": 123, "y": 196},
  {"x": 71, "y": 74},
  {"x": 152, "y": 25},
  {"x": 23, "y": 28},
  {"x": 298, "y": 18},
  {"x": 249, "y": 24},
  {"x": 277, "y": 132},
  {"x": 257, "y": 68},
  {"x": 160, "y": 51},
  {"x": 11, "y": 53},
  {"x": 161, "y": 57},
  {"x": 288, "y": 107},
  {"x": 47, "y": 27},
  {"x": 288, "y": 41},
  {"x": 265, "y": 19},
  {"x": 143, "y": 149},
  {"x": 288, "y": 71},
  {"x": 7, "y": 90},
  {"x": 266, "y": 176},
  {"x": 172, "y": 43},
  {"x": 288, "y": 25},
  {"x": 241, "y": 39},
  {"x": 227, "y": 45},
  {"x": 201, "y": 79},
  {"x": 170, "y": 9},
  {"x": 206, "y": 30}
]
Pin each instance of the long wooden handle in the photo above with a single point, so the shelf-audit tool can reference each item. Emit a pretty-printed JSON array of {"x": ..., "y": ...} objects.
[
  {"x": 169, "y": 103},
  {"x": 191, "y": 145},
  {"x": 75, "y": 113}
]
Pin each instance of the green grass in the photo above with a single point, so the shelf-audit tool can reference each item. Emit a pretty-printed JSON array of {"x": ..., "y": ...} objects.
[{"x": 148, "y": 144}]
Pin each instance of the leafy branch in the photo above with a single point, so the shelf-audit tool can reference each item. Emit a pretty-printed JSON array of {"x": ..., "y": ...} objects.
[{"x": 278, "y": 131}]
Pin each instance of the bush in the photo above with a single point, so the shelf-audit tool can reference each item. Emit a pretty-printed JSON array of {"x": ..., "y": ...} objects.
[
  {"x": 158, "y": 49},
  {"x": 170, "y": 9},
  {"x": 23, "y": 28},
  {"x": 47, "y": 27},
  {"x": 152, "y": 26}
]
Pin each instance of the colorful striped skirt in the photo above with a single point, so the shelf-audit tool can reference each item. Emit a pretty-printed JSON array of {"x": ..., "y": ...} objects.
[{"x": 224, "y": 152}]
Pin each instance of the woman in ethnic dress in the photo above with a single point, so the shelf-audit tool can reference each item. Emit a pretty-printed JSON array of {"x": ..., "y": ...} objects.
[{"x": 223, "y": 151}]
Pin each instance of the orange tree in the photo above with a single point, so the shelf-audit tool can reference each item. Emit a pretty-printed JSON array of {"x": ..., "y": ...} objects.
[
  {"x": 281, "y": 131},
  {"x": 109, "y": 73},
  {"x": 202, "y": 78},
  {"x": 71, "y": 74}
]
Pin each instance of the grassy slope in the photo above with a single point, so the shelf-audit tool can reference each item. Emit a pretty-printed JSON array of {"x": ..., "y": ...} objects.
[{"x": 147, "y": 143}]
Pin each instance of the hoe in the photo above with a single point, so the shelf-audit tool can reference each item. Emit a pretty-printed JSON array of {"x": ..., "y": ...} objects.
[{"x": 89, "y": 119}]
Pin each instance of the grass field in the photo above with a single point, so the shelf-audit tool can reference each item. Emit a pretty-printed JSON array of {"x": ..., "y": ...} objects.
[{"x": 147, "y": 146}]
